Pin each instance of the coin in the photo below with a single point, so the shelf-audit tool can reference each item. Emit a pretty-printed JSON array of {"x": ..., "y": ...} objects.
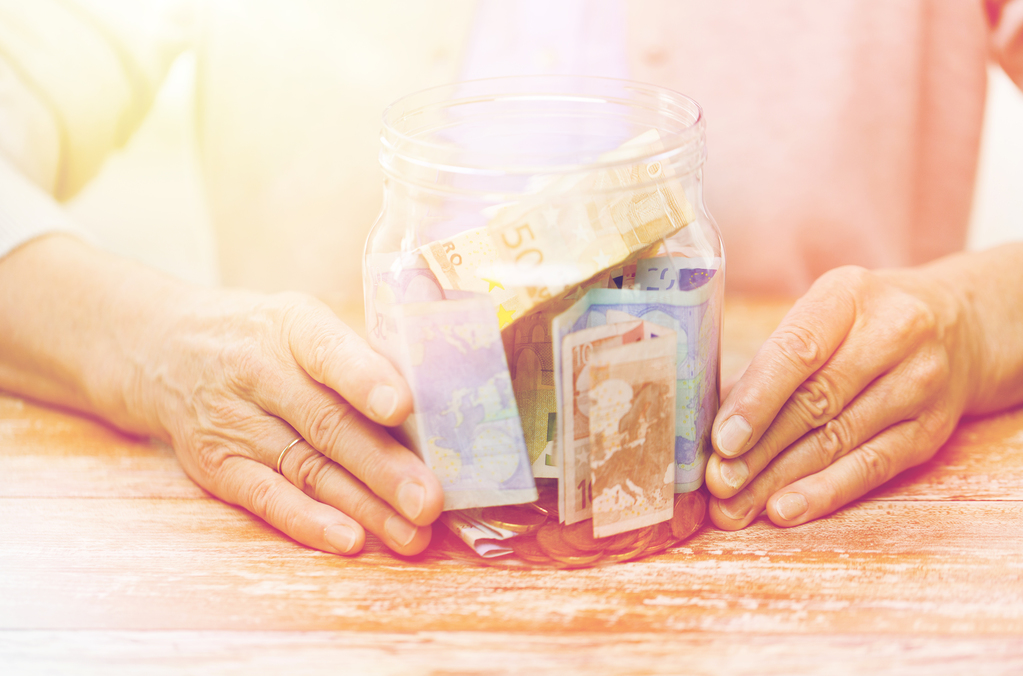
[
  {"x": 516, "y": 518},
  {"x": 538, "y": 509},
  {"x": 660, "y": 539},
  {"x": 580, "y": 536},
  {"x": 637, "y": 547},
  {"x": 550, "y": 539},
  {"x": 622, "y": 541},
  {"x": 690, "y": 512},
  {"x": 526, "y": 549}
]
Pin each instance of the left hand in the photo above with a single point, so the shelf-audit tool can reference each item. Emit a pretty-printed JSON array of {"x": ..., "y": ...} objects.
[{"x": 866, "y": 376}]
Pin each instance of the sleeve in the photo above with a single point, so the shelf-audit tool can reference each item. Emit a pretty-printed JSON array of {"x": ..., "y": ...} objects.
[
  {"x": 76, "y": 79},
  {"x": 1005, "y": 18}
]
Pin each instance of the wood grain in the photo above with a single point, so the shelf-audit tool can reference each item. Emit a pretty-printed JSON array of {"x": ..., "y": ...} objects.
[
  {"x": 496, "y": 653},
  {"x": 199, "y": 564},
  {"x": 47, "y": 452}
]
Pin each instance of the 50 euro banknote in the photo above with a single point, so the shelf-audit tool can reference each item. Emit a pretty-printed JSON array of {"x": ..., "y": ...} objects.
[{"x": 571, "y": 228}]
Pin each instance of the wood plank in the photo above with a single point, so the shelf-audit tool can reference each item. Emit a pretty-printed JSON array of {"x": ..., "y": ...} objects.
[
  {"x": 924, "y": 567},
  {"x": 393, "y": 654},
  {"x": 49, "y": 453}
]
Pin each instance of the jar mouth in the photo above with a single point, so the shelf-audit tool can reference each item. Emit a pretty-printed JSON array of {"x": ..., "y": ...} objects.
[{"x": 500, "y": 135}]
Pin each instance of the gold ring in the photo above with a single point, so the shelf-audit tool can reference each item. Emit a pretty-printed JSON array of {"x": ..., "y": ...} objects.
[{"x": 286, "y": 449}]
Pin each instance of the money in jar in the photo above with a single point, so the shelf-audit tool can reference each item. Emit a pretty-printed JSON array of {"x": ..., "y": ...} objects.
[{"x": 546, "y": 276}]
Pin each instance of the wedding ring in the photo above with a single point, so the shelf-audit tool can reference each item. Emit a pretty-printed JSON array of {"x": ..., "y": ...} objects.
[{"x": 287, "y": 448}]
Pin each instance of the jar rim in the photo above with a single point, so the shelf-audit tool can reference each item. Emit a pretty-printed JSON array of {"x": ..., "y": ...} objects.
[{"x": 408, "y": 149}]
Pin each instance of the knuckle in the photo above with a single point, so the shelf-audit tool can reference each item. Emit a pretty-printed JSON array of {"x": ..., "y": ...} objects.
[
  {"x": 362, "y": 506},
  {"x": 849, "y": 276},
  {"x": 325, "y": 352},
  {"x": 818, "y": 400},
  {"x": 373, "y": 468},
  {"x": 800, "y": 345},
  {"x": 311, "y": 472},
  {"x": 935, "y": 428},
  {"x": 833, "y": 440},
  {"x": 913, "y": 320},
  {"x": 873, "y": 465},
  {"x": 330, "y": 424},
  {"x": 264, "y": 500},
  {"x": 209, "y": 454},
  {"x": 336, "y": 353},
  {"x": 210, "y": 457},
  {"x": 933, "y": 371}
]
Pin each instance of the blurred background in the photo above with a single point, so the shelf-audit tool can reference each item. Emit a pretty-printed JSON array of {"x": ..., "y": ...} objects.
[{"x": 148, "y": 202}]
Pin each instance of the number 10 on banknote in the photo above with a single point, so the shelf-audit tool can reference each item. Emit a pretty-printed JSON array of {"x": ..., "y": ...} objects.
[
  {"x": 667, "y": 337},
  {"x": 619, "y": 404}
]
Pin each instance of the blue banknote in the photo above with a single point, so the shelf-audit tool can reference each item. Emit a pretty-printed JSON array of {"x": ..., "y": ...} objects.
[
  {"x": 694, "y": 314},
  {"x": 465, "y": 423}
]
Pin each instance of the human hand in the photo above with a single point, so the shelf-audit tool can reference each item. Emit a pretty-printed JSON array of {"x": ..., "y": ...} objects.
[
  {"x": 866, "y": 376},
  {"x": 231, "y": 378}
]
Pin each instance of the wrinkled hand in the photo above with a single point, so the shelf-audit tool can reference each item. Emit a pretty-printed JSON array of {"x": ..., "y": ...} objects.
[
  {"x": 866, "y": 376},
  {"x": 238, "y": 376}
]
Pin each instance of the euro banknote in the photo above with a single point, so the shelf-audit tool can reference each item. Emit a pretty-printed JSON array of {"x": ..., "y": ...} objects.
[
  {"x": 575, "y": 496},
  {"x": 694, "y": 315},
  {"x": 632, "y": 429},
  {"x": 571, "y": 228},
  {"x": 465, "y": 423}
]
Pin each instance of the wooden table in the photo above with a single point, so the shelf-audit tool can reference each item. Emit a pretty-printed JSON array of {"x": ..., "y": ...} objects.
[{"x": 112, "y": 561}]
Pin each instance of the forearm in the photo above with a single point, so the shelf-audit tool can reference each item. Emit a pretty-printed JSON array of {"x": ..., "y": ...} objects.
[
  {"x": 74, "y": 322},
  {"x": 990, "y": 287}
]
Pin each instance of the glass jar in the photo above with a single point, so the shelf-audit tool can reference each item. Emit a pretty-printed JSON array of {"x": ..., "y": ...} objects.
[{"x": 517, "y": 213}]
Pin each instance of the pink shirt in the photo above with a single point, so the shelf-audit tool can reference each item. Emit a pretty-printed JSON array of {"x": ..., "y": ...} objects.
[{"x": 839, "y": 132}]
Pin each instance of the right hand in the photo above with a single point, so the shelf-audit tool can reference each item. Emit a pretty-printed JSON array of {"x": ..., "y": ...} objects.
[{"x": 230, "y": 378}]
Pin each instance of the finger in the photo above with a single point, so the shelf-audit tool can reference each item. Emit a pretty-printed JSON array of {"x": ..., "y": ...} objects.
[
  {"x": 272, "y": 498},
  {"x": 334, "y": 355},
  {"x": 869, "y": 414},
  {"x": 728, "y": 382},
  {"x": 902, "y": 393},
  {"x": 337, "y": 430},
  {"x": 814, "y": 404},
  {"x": 803, "y": 342},
  {"x": 324, "y": 480},
  {"x": 867, "y": 467}
]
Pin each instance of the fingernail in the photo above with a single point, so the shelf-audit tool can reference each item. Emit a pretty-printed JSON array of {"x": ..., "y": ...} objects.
[
  {"x": 738, "y": 507},
  {"x": 383, "y": 400},
  {"x": 733, "y": 436},
  {"x": 411, "y": 497},
  {"x": 400, "y": 530},
  {"x": 734, "y": 472},
  {"x": 341, "y": 538},
  {"x": 791, "y": 506}
]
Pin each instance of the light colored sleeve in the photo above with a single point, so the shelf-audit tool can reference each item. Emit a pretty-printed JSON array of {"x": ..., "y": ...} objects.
[
  {"x": 76, "y": 79},
  {"x": 1006, "y": 20}
]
